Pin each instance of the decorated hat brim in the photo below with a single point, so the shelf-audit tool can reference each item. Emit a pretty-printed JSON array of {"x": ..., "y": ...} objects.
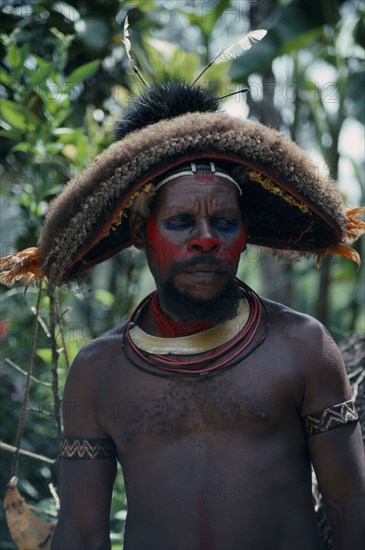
[{"x": 287, "y": 204}]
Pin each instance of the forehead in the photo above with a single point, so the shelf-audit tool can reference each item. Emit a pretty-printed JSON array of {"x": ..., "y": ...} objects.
[{"x": 186, "y": 191}]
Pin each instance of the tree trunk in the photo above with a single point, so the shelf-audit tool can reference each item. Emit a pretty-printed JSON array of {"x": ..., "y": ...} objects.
[
  {"x": 322, "y": 309},
  {"x": 277, "y": 280}
]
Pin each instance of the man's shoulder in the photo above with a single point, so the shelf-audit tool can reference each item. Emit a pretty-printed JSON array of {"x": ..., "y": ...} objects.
[
  {"x": 297, "y": 328},
  {"x": 105, "y": 341},
  {"x": 98, "y": 352},
  {"x": 93, "y": 365},
  {"x": 304, "y": 335},
  {"x": 281, "y": 314}
]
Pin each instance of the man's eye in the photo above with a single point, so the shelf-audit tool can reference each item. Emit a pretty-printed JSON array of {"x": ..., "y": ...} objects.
[
  {"x": 178, "y": 222},
  {"x": 225, "y": 224}
]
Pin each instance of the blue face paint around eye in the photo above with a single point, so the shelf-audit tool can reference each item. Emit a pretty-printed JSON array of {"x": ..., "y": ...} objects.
[
  {"x": 225, "y": 224},
  {"x": 178, "y": 223}
]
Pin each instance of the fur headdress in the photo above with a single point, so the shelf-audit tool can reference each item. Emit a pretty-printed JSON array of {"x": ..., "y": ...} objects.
[{"x": 288, "y": 206}]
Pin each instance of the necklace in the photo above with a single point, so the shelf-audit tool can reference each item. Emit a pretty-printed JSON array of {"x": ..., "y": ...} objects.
[
  {"x": 242, "y": 344},
  {"x": 172, "y": 329},
  {"x": 192, "y": 344}
]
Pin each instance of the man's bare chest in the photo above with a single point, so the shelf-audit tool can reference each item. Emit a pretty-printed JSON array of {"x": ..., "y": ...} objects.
[{"x": 251, "y": 397}]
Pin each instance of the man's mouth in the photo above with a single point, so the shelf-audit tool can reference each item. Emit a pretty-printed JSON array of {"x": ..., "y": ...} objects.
[
  {"x": 207, "y": 272},
  {"x": 206, "y": 267},
  {"x": 203, "y": 268}
]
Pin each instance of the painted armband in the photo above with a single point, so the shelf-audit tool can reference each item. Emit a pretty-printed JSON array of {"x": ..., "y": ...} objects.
[
  {"x": 87, "y": 449},
  {"x": 329, "y": 418}
]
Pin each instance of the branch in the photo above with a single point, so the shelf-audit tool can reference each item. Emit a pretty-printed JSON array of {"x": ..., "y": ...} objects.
[
  {"x": 56, "y": 498},
  {"x": 354, "y": 373},
  {"x": 60, "y": 316},
  {"x": 355, "y": 385},
  {"x": 54, "y": 365},
  {"x": 11, "y": 449},
  {"x": 24, "y": 373},
  {"x": 21, "y": 423},
  {"x": 41, "y": 321}
]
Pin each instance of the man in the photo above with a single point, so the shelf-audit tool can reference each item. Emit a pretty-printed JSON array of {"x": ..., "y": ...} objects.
[{"x": 214, "y": 401}]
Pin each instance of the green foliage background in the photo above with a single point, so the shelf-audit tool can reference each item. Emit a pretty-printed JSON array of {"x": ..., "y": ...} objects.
[{"x": 64, "y": 80}]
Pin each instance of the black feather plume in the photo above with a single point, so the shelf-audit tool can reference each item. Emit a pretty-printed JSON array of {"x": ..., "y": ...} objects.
[{"x": 167, "y": 100}]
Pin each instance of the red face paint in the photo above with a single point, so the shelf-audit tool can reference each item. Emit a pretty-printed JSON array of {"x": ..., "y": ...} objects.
[{"x": 164, "y": 253}]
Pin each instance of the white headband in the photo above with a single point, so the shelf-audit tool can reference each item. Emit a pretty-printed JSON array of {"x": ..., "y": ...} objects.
[{"x": 194, "y": 171}]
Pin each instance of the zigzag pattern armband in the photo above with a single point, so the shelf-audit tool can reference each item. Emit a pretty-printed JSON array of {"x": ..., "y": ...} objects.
[
  {"x": 87, "y": 449},
  {"x": 329, "y": 418}
]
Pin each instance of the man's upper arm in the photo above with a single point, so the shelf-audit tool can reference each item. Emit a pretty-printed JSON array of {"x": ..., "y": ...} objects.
[
  {"x": 335, "y": 442},
  {"x": 88, "y": 465}
]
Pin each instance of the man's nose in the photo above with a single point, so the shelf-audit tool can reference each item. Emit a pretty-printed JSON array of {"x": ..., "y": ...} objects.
[{"x": 204, "y": 245}]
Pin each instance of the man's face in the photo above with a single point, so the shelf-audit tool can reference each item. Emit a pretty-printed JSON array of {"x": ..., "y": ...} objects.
[{"x": 194, "y": 236}]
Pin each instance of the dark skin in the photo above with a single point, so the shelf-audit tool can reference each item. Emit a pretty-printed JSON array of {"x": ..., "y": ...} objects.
[{"x": 217, "y": 463}]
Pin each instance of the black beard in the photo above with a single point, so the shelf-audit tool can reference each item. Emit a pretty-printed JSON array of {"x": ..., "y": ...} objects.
[{"x": 186, "y": 308}]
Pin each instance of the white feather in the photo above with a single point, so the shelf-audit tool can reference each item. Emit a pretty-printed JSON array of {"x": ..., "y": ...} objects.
[
  {"x": 128, "y": 45},
  {"x": 126, "y": 41},
  {"x": 241, "y": 44}
]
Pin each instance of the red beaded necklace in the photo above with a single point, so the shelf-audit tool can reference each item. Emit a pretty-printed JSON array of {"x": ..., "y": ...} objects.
[
  {"x": 237, "y": 349},
  {"x": 168, "y": 328}
]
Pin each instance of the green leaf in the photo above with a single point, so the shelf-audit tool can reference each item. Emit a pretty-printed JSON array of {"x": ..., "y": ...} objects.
[
  {"x": 144, "y": 4},
  {"x": 41, "y": 75},
  {"x": 301, "y": 40},
  {"x": 32, "y": 120},
  {"x": 40, "y": 61},
  {"x": 45, "y": 354},
  {"x": 68, "y": 135},
  {"x": 60, "y": 116},
  {"x": 13, "y": 114},
  {"x": 54, "y": 148},
  {"x": 14, "y": 56},
  {"x": 18, "y": 116},
  {"x": 22, "y": 147},
  {"x": 183, "y": 65},
  {"x": 208, "y": 13},
  {"x": 6, "y": 77},
  {"x": 56, "y": 101},
  {"x": 11, "y": 134},
  {"x": 105, "y": 297},
  {"x": 82, "y": 73}
]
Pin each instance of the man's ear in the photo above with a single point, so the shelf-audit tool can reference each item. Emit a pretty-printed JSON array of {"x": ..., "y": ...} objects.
[{"x": 137, "y": 227}]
